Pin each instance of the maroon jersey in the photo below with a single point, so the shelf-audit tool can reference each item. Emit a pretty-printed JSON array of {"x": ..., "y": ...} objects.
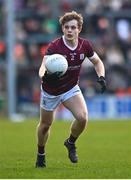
[{"x": 75, "y": 57}]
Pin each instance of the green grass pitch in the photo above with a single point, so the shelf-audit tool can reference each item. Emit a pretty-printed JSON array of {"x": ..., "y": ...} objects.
[{"x": 104, "y": 151}]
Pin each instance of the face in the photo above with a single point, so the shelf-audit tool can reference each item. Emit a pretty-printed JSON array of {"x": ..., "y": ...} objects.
[{"x": 70, "y": 30}]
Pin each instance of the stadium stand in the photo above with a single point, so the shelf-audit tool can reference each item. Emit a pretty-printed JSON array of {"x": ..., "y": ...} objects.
[{"x": 106, "y": 23}]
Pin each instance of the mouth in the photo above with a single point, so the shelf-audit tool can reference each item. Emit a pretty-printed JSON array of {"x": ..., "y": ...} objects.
[{"x": 69, "y": 35}]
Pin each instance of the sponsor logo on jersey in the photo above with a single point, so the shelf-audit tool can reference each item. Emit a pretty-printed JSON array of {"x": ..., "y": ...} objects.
[{"x": 74, "y": 67}]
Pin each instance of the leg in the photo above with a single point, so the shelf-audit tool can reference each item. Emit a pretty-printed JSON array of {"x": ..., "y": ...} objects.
[
  {"x": 77, "y": 106},
  {"x": 46, "y": 119}
]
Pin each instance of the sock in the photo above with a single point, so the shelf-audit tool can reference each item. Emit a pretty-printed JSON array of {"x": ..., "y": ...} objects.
[
  {"x": 72, "y": 139},
  {"x": 41, "y": 150}
]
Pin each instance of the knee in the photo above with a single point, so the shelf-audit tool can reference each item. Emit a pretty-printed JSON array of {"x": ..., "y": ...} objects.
[
  {"x": 44, "y": 127},
  {"x": 82, "y": 118}
]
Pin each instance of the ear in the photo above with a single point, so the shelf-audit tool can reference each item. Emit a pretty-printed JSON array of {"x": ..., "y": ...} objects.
[
  {"x": 62, "y": 28},
  {"x": 80, "y": 29}
]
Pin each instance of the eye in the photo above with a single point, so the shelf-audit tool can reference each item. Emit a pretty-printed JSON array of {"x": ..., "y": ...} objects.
[
  {"x": 66, "y": 27},
  {"x": 73, "y": 27}
]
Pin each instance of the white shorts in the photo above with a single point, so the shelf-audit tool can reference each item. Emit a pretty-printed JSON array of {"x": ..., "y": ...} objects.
[{"x": 50, "y": 102}]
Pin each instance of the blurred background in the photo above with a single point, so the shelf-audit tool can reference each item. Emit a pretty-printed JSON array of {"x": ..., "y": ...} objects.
[{"x": 26, "y": 28}]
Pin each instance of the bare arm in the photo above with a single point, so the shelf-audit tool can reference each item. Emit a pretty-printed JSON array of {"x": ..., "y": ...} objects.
[
  {"x": 98, "y": 65},
  {"x": 42, "y": 68},
  {"x": 100, "y": 70}
]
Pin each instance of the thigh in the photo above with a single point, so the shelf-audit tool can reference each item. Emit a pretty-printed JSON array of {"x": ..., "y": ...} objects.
[
  {"x": 46, "y": 117},
  {"x": 76, "y": 105},
  {"x": 49, "y": 102}
]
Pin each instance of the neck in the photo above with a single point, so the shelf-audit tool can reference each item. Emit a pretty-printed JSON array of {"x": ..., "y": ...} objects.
[{"x": 71, "y": 43}]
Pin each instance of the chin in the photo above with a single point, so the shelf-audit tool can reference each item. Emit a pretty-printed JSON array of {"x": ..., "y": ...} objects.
[{"x": 69, "y": 38}]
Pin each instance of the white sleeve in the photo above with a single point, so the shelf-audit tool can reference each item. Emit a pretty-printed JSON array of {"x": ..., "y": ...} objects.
[{"x": 93, "y": 57}]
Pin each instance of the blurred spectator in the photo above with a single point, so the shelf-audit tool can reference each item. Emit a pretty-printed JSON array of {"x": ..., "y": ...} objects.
[
  {"x": 80, "y": 6},
  {"x": 103, "y": 25},
  {"x": 115, "y": 5},
  {"x": 114, "y": 56},
  {"x": 117, "y": 78},
  {"x": 34, "y": 55},
  {"x": 2, "y": 52},
  {"x": 43, "y": 50},
  {"x": 126, "y": 4},
  {"x": 19, "y": 4},
  {"x": 65, "y": 5},
  {"x": 20, "y": 55},
  {"x": 20, "y": 31},
  {"x": 92, "y": 7},
  {"x": 50, "y": 25},
  {"x": 43, "y": 7},
  {"x": 32, "y": 26},
  {"x": 123, "y": 29}
]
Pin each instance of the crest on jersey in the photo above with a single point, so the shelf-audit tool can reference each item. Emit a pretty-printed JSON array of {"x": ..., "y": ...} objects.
[
  {"x": 82, "y": 56},
  {"x": 72, "y": 55}
]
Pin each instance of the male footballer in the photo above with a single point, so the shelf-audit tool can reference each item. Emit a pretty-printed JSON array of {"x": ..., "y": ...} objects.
[{"x": 64, "y": 89}]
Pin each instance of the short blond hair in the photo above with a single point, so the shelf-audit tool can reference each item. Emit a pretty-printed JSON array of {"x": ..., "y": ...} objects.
[{"x": 68, "y": 16}]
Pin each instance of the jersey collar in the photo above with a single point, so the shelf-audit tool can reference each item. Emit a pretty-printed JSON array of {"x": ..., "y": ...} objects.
[{"x": 68, "y": 45}]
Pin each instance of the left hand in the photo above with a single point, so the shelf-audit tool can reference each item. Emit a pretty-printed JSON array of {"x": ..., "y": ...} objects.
[{"x": 102, "y": 83}]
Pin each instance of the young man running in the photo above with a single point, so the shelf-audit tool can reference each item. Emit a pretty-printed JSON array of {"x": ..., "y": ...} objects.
[{"x": 64, "y": 89}]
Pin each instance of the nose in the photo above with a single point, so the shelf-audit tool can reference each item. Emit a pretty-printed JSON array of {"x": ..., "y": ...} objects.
[{"x": 69, "y": 29}]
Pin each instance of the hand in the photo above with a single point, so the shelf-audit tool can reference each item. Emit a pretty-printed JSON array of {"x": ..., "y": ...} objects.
[
  {"x": 51, "y": 77},
  {"x": 102, "y": 83}
]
